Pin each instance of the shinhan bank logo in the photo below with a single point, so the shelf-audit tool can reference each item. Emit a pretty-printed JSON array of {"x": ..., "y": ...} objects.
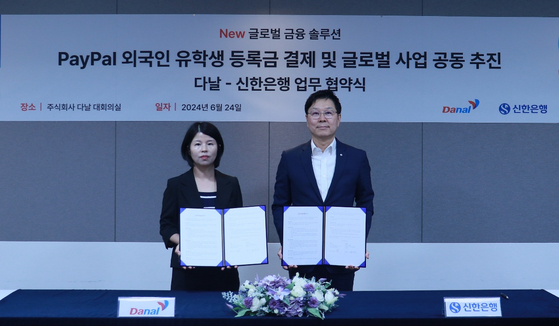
[{"x": 473, "y": 105}]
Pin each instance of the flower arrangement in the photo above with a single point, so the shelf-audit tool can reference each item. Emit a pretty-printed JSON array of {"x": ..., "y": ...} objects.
[{"x": 280, "y": 296}]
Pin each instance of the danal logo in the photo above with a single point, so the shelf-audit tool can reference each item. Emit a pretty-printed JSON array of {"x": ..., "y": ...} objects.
[
  {"x": 151, "y": 312},
  {"x": 473, "y": 105}
]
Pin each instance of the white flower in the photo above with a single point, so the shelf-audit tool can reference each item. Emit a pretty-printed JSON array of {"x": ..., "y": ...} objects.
[
  {"x": 252, "y": 292},
  {"x": 297, "y": 291},
  {"x": 247, "y": 285},
  {"x": 257, "y": 303},
  {"x": 318, "y": 295},
  {"x": 329, "y": 297},
  {"x": 299, "y": 281}
]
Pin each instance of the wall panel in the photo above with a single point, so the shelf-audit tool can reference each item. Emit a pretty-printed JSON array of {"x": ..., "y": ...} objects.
[
  {"x": 218, "y": 7},
  {"x": 57, "y": 7},
  {"x": 58, "y": 181},
  {"x": 335, "y": 7},
  {"x": 490, "y": 183},
  {"x": 493, "y": 8}
]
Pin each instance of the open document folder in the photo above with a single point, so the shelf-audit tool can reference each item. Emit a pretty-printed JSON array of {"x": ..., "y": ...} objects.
[
  {"x": 324, "y": 235},
  {"x": 223, "y": 237}
]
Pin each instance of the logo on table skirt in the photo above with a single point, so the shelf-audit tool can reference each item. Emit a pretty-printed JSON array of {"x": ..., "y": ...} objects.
[
  {"x": 143, "y": 311},
  {"x": 455, "y": 307}
]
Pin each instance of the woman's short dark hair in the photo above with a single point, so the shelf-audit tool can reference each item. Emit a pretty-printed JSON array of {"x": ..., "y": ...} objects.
[
  {"x": 207, "y": 129},
  {"x": 324, "y": 94}
]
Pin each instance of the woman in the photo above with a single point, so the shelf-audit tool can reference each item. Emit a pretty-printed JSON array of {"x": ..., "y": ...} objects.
[{"x": 200, "y": 187}]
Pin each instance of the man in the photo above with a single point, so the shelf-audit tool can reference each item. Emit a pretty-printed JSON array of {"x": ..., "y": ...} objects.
[{"x": 323, "y": 172}]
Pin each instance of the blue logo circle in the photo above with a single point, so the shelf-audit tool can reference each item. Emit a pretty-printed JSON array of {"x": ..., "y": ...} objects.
[
  {"x": 454, "y": 307},
  {"x": 504, "y": 109}
]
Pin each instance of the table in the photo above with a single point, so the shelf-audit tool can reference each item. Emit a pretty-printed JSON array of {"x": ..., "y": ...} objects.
[{"x": 99, "y": 307}]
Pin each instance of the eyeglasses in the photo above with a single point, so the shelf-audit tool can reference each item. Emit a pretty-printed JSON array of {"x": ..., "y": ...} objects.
[{"x": 315, "y": 115}]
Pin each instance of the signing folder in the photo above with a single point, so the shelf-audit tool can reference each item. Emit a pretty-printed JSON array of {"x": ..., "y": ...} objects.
[
  {"x": 223, "y": 237},
  {"x": 324, "y": 235}
]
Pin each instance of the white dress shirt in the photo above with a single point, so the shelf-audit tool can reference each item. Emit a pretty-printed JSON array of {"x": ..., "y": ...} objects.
[{"x": 323, "y": 164}]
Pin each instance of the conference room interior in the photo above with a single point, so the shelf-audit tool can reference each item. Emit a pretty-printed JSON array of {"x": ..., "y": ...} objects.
[{"x": 458, "y": 206}]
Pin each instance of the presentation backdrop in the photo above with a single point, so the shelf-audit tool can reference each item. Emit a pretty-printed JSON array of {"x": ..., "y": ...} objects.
[
  {"x": 82, "y": 198},
  {"x": 262, "y": 67}
]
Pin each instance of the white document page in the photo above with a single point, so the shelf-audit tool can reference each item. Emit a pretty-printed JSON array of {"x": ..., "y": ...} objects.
[
  {"x": 345, "y": 242},
  {"x": 302, "y": 235},
  {"x": 200, "y": 237},
  {"x": 245, "y": 236}
]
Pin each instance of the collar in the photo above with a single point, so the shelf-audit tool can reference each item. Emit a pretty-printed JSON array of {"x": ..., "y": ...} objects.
[{"x": 331, "y": 147}]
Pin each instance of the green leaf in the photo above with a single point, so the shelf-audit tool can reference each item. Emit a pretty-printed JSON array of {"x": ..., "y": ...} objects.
[
  {"x": 315, "y": 312},
  {"x": 242, "y": 313}
]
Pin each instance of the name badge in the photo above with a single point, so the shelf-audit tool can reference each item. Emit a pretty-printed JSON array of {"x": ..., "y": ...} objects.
[
  {"x": 472, "y": 307},
  {"x": 146, "y": 307}
]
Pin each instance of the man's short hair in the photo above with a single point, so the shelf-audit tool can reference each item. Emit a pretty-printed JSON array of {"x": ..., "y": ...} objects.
[{"x": 324, "y": 94}]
